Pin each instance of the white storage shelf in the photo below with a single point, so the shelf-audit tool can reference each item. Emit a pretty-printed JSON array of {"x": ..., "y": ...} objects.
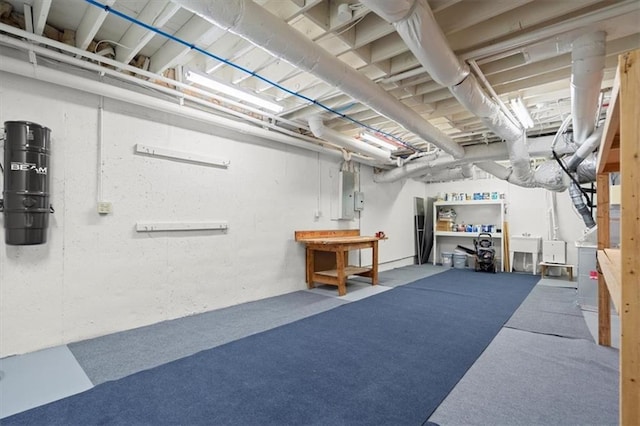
[
  {"x": 488, "y": 212},
  {"x": 466, "y": 234}
]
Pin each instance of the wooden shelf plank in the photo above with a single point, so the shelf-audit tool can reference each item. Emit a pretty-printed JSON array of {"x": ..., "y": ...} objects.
[
  {"x": 302, "y": 235},
  {"x": 620, "y": 268},
  {"x": 609, "y": 261},
  {"x": 611, "y": 130},
  {"x": 629, "y": 65},
  {"x": 349, "y": 270}
]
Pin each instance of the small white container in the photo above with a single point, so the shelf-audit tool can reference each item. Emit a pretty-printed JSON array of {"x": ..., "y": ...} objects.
[{"x": 447, "y": 259}]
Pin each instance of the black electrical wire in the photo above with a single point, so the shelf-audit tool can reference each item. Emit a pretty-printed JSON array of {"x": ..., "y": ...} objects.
[{"x": 573, "y": 179}]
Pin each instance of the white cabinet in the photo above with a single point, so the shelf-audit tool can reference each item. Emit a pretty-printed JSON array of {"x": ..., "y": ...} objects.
[{"x": 475, "y": 213}]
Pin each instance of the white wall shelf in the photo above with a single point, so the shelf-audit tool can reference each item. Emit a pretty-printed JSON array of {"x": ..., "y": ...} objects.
[
  {"x": 468, "y": 202},
  {"x": 466, "y": 234},
  {"x": 476, "y": 212},
  {"x": 191, "y": 157},
  {"x": 180, "y": 226}
]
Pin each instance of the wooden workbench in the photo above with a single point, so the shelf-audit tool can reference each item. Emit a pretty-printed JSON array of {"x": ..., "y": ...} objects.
[{"x": 327, "y": 257}]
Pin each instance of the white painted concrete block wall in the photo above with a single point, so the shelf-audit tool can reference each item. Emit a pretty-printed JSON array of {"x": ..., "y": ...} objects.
[{"x": 97, "y": 275}]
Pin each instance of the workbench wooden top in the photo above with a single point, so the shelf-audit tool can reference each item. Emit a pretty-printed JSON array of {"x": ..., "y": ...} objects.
[{"x": 339, "y": 240}]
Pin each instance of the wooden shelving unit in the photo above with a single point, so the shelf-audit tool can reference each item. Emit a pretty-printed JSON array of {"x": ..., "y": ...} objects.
[{"x": 619, "y": 277}]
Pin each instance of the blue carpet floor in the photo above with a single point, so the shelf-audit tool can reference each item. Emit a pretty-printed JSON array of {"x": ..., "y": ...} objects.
[{"x": 386, "y": 360}]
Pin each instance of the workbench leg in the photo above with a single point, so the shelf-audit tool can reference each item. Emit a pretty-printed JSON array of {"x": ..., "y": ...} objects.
[
  {"x": 342, "y": 286},
  {"x": 374, "y": 264},
  {"x": 570, "y": 268},
  {"x": 310, "y": 267}
]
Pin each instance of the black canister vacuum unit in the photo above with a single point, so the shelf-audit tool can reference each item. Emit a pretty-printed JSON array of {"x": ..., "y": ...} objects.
[{"x": 26, "y": 183}]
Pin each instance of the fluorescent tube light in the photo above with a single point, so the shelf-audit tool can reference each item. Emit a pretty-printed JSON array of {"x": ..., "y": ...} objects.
[
  {"x": 521, "y": 113},
  {"x": 378, "y": 142},
  {"x": 205, "y": 81}
]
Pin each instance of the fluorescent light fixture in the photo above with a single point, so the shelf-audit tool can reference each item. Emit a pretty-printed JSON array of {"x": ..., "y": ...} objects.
[
  {"x": 214, "y": 85},
  {"x": 522, "y": 113},
  {"x": 375, "y": 140}
]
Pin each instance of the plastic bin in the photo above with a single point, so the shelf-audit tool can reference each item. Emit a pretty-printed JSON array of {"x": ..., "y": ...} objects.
[
  {"x": 459, "y": 260},
  {"x": 447, "y": 259}
]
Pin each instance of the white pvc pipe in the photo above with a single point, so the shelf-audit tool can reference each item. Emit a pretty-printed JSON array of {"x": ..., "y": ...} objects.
[
  {"x": 118, "y": 67},
  {"x": 18, "y": 67},
  {"x": 253, "y": 23},
  {"x": 319, "y": 130}
]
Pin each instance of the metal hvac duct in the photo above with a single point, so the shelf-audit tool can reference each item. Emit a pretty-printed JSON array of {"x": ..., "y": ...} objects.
[
  {"x": 587, "y": 70},
  {"x": 253, "y": 23},
  {"x": 319, "y": 130},
  {"x": 463, "y": 171},
  {"x": 414, "y": 22}
]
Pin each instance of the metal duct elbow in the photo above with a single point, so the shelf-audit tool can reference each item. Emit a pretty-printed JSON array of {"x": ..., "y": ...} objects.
[
  {"x": 583, "y": 151},
  {"x": 550, "y": 175},
  {"x": 586, "y": 171},
  {"x": 319, "y": 130},
  {"x": 576, "y": 198},
  {"x": 587, "y": 69}
]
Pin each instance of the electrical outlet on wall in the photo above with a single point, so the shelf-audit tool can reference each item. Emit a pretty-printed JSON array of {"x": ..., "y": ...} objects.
[{"x": 105, "y": 207}]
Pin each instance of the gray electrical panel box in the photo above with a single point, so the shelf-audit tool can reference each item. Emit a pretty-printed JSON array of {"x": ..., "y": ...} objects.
[
  {"x": 346, "y": 192},
  {"x": 359, "y": 201}
]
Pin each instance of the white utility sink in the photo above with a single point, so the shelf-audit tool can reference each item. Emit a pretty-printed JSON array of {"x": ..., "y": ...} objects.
[{"x": 525, "y": 244}]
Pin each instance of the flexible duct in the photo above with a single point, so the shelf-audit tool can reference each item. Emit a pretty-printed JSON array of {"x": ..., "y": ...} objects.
[
  {"x": 319, "y": 130},
  {"x": 588, "y": 146},
  {"x": 587, "y": 70},
  {"x": 414, "y": 22},
  {"x": 546, "y": 176},
  {"x": 587, "y": 170},
  {"x": 447, "y": 175},
  {"x": 576, "y": 198},
  {"x": 253, "y": 23},
  {"x": 538, "y": 147}
]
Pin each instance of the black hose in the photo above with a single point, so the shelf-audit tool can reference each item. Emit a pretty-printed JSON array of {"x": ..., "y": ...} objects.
[{"x": 573, "y": 179}]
